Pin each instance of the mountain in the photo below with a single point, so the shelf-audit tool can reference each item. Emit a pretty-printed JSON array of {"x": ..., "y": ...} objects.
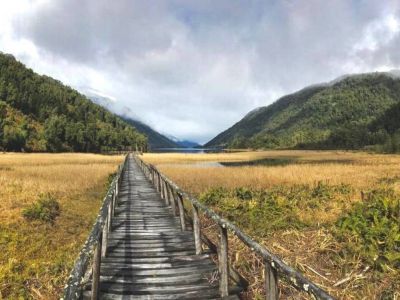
[
  {"x": 183, "y": 143},
  {"x": 98, "y": 98},
  {"x": 188, "y": 144},
  {"x": 351, "y": 112},
  {"x": 38, "y": 113},
  {"x": 155, "y": 139}
]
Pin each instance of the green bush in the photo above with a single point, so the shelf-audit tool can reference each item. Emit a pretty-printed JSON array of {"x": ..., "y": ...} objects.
[
  {"x": 264, "y": 211},
  {"x": 322, "y": 191},
  {"x": 110, "y": 179},
  {"x": 243, "y": 193},
  {"x": 372, "y": 229},
  {"x": 213, "y": 196},
  {"x": 46, "y": 209},
  {"x": 259, "y": 212}
]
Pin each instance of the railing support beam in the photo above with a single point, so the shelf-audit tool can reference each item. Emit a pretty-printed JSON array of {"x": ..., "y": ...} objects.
[
  {"x": 223, "y": 263},
  {"x": 158, "y": 182},
  {"x": 171, "y": 199},
  {"x": 271, "y": 282},
  {"x": 196, "y": 229},
  {"x": 181, "y": 212},
  {"x": 96, "y": 269},
  {"x": 165, "y": 193}
]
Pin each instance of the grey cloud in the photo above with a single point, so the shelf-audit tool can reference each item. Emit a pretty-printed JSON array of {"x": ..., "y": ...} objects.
[{"x": 193, "y": 68}]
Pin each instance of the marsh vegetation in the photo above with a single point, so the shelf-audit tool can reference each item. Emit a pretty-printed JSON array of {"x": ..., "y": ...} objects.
[{"x": 332, "y": 215}]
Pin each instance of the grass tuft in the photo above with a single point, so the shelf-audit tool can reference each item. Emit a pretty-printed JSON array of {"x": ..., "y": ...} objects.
[{"x": 46, "y": 209}]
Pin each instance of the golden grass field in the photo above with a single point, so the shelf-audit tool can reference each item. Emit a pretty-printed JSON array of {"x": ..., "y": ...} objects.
[
  {"x": 314, "y": 249},
  {"x": 36, "y": 258},
  {"x": 361, "y": 170}
]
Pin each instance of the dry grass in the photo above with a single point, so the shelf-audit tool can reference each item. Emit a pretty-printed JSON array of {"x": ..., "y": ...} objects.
[
  {"x": 313, "y": 250},
  {"x": 36, "y": 258},
  {"x": 360, "y": 170}
]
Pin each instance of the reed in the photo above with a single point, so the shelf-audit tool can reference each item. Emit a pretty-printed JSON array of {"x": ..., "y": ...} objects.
[{"x": 36, "y": 257}]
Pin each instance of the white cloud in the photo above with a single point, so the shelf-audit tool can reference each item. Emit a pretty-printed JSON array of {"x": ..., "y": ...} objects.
[
  {"x": 193, "y": 68},
  {"x": 378, "y": 33}
]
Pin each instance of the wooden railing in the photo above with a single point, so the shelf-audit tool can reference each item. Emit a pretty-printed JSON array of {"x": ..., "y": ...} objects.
[
  {"x": 95, "y": 246},
  {"x": 275, "y": 268}
]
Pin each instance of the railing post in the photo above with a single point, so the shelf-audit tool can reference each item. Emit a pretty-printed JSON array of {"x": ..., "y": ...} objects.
[
  {"x": 223, "y": 263},
  {"x": 172, "y": 199},
  {"x": 181, "y": 212},
  {"x": 114, "y": 203},
  {"x": 155, "y": 180},
  {"x": 159, "y": 181},
  {"x": 111, "y": 214},
  {"x": 165, "y": 192},
  {"x": 96, "y": 269},
  {"x": 271, "y": 282},
  {"x": 116, "y": 186},
  {"x": 162, "y": 188},
  {"x": 105, "y": 234},
  {"x": 196, "y": 229}
]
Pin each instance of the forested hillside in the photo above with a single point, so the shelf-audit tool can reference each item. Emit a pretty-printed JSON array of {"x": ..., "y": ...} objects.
[
  {"x": 155, "y": 139},
  {"x": 352, "y": 113},
  {"x": 38, "y": 113}
]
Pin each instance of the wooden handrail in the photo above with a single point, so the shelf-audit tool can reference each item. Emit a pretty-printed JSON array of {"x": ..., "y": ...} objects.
[
  {"x": 95, "y": 246},
  {"x": 275, "y": 268}
]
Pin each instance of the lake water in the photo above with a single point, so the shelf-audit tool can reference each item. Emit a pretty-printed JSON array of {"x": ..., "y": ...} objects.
[
  {"x": 187, "y": 150},
  {"x": 201, "y": 164}
]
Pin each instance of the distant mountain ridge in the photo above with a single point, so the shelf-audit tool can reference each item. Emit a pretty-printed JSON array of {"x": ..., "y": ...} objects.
[
  {"x": 156, "y": 140},
  {"x": 183, "y": 143},
  {"x": 351, "y": 112},
  {"x": 188, "y": 144}
]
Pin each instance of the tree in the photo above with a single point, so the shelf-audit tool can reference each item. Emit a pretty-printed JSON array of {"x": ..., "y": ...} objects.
[
  {"x": 54, "y": 131},
  {"x": 13, "y": 138}
]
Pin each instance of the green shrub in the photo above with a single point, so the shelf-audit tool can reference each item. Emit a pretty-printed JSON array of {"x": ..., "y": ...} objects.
[
  {"x": 46, "y": 209},
  {"x": 373, "y": 229},
  {"x": 243, "y": 193},
  {"x": 322, "y": 191},
  {"x": 110, "y": 179},
  {"x": 259, "y": 212},
  {"x": 213, "y": 196},
  {"x": 279, "y": 208}
]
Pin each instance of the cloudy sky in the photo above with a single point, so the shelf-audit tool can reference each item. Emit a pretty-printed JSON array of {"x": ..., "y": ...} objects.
[{"x": 193, "y": 68}]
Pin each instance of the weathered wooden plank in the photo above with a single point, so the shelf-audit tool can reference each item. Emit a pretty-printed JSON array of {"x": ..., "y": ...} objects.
[
  {"x": 170, "y": 280},
  {"x": 166, "y": 265},
  {"x": 148, "y": 288},
  {"x": 145, "y": 254},
  {"x": 127, "y": 271},
  {"x": 186, "y": 258},
  {"x": 150, "y": 250},
  {"x": 162, "y": 244}
]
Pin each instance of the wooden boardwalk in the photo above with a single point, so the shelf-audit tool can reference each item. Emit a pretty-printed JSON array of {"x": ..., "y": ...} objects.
[{"x": 148, "y": 256}]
